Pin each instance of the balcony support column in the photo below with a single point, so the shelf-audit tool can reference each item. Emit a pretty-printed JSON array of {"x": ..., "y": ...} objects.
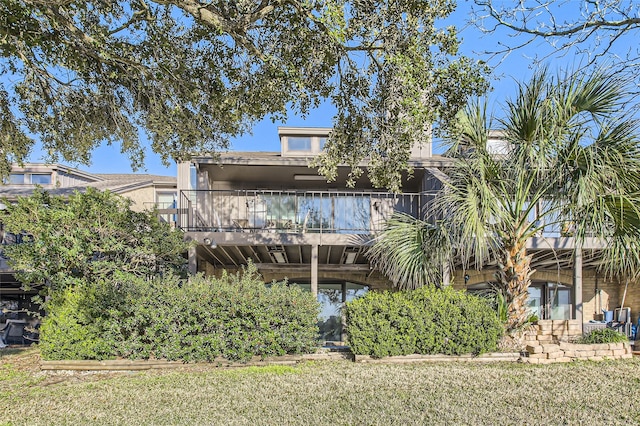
[
  {"x": 314, "y": 270},
  {"x": 577, "y": 282},
  {"x": 193, "y": 261}
]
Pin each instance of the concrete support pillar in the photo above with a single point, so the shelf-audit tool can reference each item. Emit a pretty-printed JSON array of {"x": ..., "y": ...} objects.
[
  {"x": 193, "y": 261},
  {"x": 314, "y": 270},
  {"x": 446, "y": 274},
  {"x": 577, "y": 283}
]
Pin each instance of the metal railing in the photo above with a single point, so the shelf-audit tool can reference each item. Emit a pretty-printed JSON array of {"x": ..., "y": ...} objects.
[{"x": 352, "y": 212}]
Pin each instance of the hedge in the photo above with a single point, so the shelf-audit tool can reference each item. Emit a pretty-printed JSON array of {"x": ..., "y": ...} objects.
[
  {"x": 235, "y": 317},
  {"x": 423, "y": 321}
]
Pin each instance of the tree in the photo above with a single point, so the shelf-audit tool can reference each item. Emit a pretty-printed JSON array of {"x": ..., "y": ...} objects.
[
  {"x": 597, "y": 29},
  {"x": 191, "y": 74},
  {"x": 87, "y": 237},
  {"x": 568, "y": 154}
]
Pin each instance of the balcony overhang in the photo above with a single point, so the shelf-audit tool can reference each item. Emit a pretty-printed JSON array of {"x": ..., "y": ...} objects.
[{"x": 346, "y": 252}]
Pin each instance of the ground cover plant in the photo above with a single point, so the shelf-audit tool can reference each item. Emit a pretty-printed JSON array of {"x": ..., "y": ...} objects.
[
  {"x": 427, "y": 320},
  {"x": 337, "y": 393},
  {"x": 605, "y": 335},
  {"x": 234, "y": 317}
]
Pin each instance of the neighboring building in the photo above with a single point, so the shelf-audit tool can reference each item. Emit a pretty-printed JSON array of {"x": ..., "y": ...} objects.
[
  {"x": 146, "y": 191},
  {"x": 143, "y": 189},
  {"x": 271, "y": 209}
]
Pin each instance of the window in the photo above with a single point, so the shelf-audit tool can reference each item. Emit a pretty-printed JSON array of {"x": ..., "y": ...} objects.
[
  {"x": 166, "y": 200},
  {"x": 193, "y": 177},
  {"x": 560, "y": 303},
  {"x": 41, "y": 179},
  {"x": 299, "y": 144},
  {"x": 536, "y": 302},
  {"x": 301, "y": 141},
  {"x": 547, "y": 300},
  {"x": 16, "y": 178}
]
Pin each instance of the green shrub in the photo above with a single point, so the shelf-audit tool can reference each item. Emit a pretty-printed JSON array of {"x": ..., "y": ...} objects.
[
  {"x": 69, "y": 331},
  {"x": 423, "y": 321},
  {"x": 604, "y": 335},
  {"x": 235, "y": 317}
]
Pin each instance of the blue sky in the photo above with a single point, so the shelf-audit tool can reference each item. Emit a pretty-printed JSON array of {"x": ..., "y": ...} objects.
[{"x": 518, "y": 66}]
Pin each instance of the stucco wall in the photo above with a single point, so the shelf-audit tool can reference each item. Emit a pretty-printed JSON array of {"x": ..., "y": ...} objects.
[{"x": 141, "y": 196}]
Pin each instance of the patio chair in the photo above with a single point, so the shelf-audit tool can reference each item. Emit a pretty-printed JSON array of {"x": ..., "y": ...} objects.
[{"x": 13, "y": 332}]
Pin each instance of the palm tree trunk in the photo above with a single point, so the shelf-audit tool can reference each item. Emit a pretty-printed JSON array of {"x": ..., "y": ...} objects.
[{"x": 514, "y": 277}]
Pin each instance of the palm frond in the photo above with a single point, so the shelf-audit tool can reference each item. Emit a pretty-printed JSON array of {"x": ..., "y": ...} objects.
[
  {"x": 471, "y": 130},
  {"x": 622, "y": 256},
  {"x": 599, "y": 93},
  {"x": 410, "y": 252}
]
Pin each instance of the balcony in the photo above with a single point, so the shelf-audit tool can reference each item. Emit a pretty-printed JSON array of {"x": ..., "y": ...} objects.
[{"x": 336, "y": 212}]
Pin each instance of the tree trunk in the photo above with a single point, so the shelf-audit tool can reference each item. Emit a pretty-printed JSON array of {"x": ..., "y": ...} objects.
[{"x": 514, "y": 277}]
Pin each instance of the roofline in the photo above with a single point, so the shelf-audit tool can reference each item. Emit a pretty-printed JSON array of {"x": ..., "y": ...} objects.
[
  {"x": 275, "y": 159},
  {"x": 57, "y": 167},
  {"x": 304, "y": 131}
]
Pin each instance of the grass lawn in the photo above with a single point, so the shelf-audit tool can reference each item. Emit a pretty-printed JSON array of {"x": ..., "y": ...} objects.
[{"x": 336, "y": 393}]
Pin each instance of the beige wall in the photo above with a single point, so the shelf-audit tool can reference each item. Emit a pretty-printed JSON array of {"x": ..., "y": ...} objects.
[
  {"x": 141, "y": 196},
  {"x": 632, "y": 299}
]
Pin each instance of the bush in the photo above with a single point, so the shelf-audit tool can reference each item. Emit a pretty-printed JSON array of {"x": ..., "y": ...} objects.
[
  {"x": 235, "y": 317},
  {"x": 69, "y": 331},
  {"x": 423, "y": 321},
  {"x": 604, "y": 335}
]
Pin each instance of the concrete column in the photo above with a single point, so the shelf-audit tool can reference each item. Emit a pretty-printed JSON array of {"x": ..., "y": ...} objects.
[
  {"x": 314, "y": 270},
  {"x": 577, "y": 283},
  {"x": 183, "y": 170},
  {"x": 193, "y": 261},
  {"x": 446, "y": 274}
]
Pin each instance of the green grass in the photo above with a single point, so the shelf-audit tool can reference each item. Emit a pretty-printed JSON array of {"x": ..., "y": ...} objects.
[{"x": 337, "y": 393}]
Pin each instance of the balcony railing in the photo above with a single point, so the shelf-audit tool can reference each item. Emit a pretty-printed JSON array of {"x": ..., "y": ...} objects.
[{"x": 341, "y": 212}]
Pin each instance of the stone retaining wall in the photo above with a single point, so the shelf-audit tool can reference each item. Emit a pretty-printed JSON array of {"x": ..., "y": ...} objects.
[
  {"x": 566, "y": 352},
  {"x": 548, "y": 341},
  {"x": 553, "y": 331}
]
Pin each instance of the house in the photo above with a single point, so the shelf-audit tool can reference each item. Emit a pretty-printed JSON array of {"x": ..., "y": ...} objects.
[
  {"x": 270, "y": 208},
  {"x": 146, "y": 191}
]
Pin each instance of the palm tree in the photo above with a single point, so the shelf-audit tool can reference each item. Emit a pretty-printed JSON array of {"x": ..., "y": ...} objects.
[{"x": 567, "y": 154}]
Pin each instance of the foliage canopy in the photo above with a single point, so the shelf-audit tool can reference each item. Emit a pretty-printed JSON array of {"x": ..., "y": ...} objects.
[
  {"x": 191, "y": 74},
  {"x": 86, "y": 237}
]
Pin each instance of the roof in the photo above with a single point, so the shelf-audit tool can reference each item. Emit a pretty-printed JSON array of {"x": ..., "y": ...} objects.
[
  {"x": 255, "y": 158},
  {"x": 115, "y": 182}
]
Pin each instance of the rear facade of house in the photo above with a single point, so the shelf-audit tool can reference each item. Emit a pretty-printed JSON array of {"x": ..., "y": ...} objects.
[{"x": 271, "y": 209}]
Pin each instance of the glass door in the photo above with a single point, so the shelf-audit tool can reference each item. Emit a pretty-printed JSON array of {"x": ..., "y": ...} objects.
[
  {"x": 559, "y": 301},
  {"x": 536, "y": 302}
]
